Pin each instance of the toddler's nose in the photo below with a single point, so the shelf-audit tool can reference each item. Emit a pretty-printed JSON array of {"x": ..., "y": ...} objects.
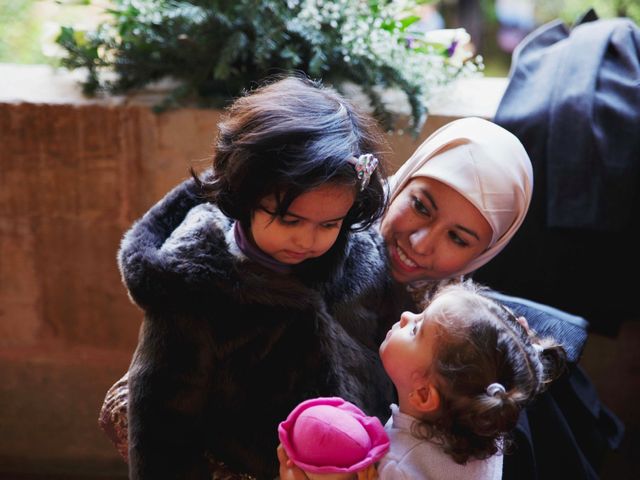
[{"x": 404, "y": 319}]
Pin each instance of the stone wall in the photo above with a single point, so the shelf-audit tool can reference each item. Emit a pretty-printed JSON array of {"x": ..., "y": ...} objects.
[{"x": 74, "y": 174}]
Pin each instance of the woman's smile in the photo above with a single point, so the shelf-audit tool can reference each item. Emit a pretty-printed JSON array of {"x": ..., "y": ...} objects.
[{"x": 406, "y": 261}]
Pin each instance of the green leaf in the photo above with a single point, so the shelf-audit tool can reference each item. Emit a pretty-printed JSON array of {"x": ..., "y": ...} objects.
[
  {"x": 230, "y": 52},
  {"x": 317, "y": 63},
  {"x": 406, "y": 22}
]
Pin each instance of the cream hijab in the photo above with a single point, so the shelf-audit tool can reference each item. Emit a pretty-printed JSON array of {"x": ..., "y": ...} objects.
[{"x": 487, "y": 165}]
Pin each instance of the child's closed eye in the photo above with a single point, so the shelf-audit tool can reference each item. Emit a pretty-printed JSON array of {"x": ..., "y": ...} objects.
[
  {"x": 331, "y": 225},
  {"x": 288, "y": 221}
]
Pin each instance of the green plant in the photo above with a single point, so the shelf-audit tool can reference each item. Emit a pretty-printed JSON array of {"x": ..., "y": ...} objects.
[{"x": 218, "y": 48}]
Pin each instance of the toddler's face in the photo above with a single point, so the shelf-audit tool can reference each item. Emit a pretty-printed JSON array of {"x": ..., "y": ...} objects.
[
  {"x": 407, "y": 351},
  {"x": 309, "y": 228},
  {"x": 432, "y": 231}
]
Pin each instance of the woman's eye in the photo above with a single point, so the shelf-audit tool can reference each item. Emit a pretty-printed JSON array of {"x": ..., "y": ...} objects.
[
  {"x": 414, "y": 330},
  {"x": 420, "y": 207},
  {"x": 458, "y": 239}
]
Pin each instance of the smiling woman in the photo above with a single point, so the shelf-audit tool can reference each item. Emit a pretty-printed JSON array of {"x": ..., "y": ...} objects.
[{"x": 457, "y": 201}]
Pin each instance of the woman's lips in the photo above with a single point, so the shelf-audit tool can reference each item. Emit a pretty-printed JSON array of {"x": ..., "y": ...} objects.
[{"x": 402, "y": 260}]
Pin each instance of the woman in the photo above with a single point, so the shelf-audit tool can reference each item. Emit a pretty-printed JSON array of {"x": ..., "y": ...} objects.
[{"x": 454, "y": 205}]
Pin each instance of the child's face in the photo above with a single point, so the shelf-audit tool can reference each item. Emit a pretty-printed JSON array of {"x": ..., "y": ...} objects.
[
  {"x": 309, "y": 228},
  {"x": 432, "y": 231},
  {"x": 407, "y": 350}
]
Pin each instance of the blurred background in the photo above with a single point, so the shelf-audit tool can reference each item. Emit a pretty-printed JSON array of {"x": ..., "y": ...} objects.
[
  {"x": 29, "y": 27},
  {"x": 117, "y": 145}
]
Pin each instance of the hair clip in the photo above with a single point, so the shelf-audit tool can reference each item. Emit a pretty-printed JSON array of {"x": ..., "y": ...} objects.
[
  {"x": 495, "y": 388},
  {"x": 537, "y": 347},
  {"x": 364, "y": 165}
]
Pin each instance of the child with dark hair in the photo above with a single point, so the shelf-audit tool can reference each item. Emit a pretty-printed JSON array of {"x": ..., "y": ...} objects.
[
  {"x": 464, "y": 368},
  {"x": 261, "y": 287}
]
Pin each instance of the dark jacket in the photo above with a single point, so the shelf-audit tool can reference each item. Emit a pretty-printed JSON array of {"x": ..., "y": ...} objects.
[
  {"x": 573, "y": 100},
  {"x": 228, "y": 347},
  {"x": 566, "y": 431}
]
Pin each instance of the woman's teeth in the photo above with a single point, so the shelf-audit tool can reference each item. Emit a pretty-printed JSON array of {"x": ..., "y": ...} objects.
[{"x": 406, "y": 260}]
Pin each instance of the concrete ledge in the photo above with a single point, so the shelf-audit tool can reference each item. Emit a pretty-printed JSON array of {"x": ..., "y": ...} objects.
[{"x": 43, "y": 84}]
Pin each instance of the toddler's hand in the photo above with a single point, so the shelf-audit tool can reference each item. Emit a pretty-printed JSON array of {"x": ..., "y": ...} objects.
[{"x": 288, "y": 471}]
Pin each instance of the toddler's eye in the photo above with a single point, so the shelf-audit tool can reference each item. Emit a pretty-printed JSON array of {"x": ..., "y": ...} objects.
[
  {"x": 414, "y": 330},
  {"x": 284, "y": 221},
  {"x": 331, "y": 225}
]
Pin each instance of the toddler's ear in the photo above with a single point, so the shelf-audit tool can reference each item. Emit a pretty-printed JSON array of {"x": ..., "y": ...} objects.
[{"x": 426, "y": 398}]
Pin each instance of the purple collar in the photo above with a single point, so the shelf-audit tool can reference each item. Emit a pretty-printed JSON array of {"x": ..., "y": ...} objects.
[{"x": 254, "y": 253}]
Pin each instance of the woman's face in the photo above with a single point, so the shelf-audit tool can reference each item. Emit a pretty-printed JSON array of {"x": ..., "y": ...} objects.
[
  {"x": 432, "y": 231},
  {"x": 309, "y": 228}
]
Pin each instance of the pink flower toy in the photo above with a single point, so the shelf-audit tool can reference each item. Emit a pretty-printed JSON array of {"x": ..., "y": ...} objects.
[{"x": 328, "y": 437}]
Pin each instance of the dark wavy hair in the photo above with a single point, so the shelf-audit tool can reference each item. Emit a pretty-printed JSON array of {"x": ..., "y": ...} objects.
[
  {"x": 286, "y": 137},
  {"x": 481, "y": 342}
]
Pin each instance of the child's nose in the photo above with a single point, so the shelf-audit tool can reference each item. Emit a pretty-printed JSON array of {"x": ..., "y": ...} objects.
[
  {"x": 405, "y": 318},
  {"x": 305, "y": 238}
]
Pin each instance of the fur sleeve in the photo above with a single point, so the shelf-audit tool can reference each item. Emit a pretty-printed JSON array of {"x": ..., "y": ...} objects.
[{"x": 142, "y": 267}]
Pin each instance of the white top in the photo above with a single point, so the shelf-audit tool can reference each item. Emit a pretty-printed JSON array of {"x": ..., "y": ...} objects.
[{"x": 411, "y": 458}]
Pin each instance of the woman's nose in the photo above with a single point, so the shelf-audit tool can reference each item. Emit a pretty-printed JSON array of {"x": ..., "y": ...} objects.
[{"x": 422, "y": 241}]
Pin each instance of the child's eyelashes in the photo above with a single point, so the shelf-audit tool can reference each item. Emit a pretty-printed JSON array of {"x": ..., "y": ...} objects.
[
  {"x": 289, "y": 222},
  {"x": 332, "y": 225}
]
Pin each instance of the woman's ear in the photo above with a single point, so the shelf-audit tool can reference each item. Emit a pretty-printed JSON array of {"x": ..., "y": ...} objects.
[{"x": 425, "y": 398}]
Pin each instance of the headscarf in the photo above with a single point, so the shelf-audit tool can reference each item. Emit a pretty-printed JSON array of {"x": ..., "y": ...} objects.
[{"x": 487, "y": 165}]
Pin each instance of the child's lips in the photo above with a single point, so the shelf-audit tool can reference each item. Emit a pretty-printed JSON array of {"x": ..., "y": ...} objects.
[{"x": 295, "y": 255}]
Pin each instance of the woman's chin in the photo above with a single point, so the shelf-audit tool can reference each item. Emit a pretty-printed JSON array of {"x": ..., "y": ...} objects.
[{"x": 402, "y": 276}]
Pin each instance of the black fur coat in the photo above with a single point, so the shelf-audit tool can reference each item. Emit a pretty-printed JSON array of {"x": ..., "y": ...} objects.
[{"x": 228, "y": 348}]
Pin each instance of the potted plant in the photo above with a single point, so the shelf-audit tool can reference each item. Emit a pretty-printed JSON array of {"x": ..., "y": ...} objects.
[{"x": 216, "y": 48}]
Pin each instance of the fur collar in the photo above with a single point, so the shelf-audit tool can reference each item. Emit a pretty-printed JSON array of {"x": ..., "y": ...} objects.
[{"x": 186, "y": 244}]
